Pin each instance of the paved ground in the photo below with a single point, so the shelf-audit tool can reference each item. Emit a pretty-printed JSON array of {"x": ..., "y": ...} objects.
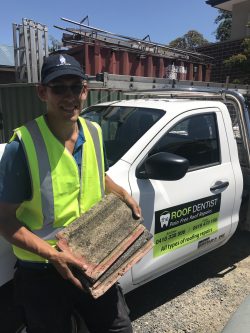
[{"x": 198, "y": 297}]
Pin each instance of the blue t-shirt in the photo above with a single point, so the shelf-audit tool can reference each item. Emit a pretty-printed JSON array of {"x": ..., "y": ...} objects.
[{"x": 15, "y": 182}]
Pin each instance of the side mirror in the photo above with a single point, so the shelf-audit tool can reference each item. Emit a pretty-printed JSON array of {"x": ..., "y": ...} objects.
[{"x": 163, "y": 166}]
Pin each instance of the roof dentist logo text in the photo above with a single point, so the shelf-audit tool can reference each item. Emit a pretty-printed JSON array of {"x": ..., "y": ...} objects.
[
  {"x": 181, "y": 212},
  {"x": 167, "y": 216},
  {"x": 184, "y": 214}
]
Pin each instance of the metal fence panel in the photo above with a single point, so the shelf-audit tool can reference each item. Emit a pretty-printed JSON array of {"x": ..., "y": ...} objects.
[{"x": 19, "y": 103}]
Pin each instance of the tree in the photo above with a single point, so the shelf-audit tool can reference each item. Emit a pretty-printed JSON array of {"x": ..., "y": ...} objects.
[
  {"x": 223, "y": 31},
  {"x": 190, "y": 40},
  {"x": 241, "y": 61},
  {"x": 179, "y": 43}
]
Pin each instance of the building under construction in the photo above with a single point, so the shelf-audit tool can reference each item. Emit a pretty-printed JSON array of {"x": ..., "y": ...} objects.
[{"x": 102, "y": 51}]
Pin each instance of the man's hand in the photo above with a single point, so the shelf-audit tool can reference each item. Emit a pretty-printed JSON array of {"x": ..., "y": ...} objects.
[
  {"x": 64, "y": 260},
  {"x": 112, "y": 187},
  {"x": 16, "y": 233},
  {"x": 136, "y": 209}
]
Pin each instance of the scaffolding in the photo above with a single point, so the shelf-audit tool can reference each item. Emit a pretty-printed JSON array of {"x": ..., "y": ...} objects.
[{"x": 30, "y": 41}]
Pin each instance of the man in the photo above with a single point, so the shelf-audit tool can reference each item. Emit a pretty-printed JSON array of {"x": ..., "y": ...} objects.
[{"x": 52, "y": 171}]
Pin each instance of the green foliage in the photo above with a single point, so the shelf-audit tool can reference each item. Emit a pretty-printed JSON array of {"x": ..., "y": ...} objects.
[
  {"x": 190, "y": 40},
  {"x": 241, "y": 61},
  {"x": 237, "y": 59},
  {"x": 224, "y": 21},
  {"x": 223, "y": 15},
  {"x": 246, "y": 45},
  {"x": 179, "y": 43},
  {"x": 236, "y": 81}
]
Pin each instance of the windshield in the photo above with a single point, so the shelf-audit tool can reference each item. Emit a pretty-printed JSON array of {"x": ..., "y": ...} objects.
[{"x": 122, "y": 126}]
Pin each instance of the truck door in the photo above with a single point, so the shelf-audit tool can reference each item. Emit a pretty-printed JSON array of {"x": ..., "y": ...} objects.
[{"x": 190, "y": 216}]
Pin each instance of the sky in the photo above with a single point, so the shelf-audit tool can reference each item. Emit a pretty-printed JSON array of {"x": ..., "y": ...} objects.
[{"x": 162, "y": 20}]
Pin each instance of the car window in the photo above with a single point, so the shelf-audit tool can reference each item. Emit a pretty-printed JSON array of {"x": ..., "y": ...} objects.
[
  {"x": 194, "y": 138},
  {"x": 122, "y": 126}
]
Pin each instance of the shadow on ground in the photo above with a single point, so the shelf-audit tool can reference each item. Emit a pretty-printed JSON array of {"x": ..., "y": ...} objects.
[{"x": 174, "y": 283}]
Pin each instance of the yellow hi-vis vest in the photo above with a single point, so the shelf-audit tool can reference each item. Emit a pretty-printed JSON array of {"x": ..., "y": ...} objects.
[{"x": 59, "y": 194}]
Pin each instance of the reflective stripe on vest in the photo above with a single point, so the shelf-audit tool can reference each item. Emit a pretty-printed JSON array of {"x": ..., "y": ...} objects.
[
  {"x": 47, "y": 197},
  {"x": 55, "y": 203},
  {"x": 95, "y": 136}
]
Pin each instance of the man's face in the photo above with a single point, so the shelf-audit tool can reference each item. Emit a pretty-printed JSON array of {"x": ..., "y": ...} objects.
[{"x": 64, "y": 96}]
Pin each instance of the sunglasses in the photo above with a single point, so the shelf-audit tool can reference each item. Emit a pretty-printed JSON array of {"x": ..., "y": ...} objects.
[{"x": 59, "y": 89}]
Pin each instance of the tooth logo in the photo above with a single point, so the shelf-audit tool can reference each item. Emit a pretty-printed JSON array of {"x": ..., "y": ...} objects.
[{"x": 164, "y": 219}]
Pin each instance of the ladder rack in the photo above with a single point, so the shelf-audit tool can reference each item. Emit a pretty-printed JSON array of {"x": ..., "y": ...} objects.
[{"x": 139, "y": 85}]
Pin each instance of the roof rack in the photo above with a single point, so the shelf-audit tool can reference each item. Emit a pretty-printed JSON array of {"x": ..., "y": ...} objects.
[
  {"x": 138, "y": 85},
  {"x": 190, "y": 93}
]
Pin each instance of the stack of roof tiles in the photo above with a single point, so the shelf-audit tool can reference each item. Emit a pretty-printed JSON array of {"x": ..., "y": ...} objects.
[{"x": 108, "y": 240}]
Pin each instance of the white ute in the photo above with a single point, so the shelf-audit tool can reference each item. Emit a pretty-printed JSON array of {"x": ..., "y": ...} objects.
[{"x": 183, "y": 160}]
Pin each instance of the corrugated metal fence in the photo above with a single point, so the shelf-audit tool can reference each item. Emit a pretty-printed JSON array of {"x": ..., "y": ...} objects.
[{"x": 19, "y": 103}]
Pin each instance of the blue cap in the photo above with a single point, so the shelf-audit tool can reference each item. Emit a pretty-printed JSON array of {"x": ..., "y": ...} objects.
[{"x": 57, "y": 65}]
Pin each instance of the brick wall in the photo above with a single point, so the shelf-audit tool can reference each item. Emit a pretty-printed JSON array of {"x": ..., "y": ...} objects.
[{"x": 220, "y": 52}]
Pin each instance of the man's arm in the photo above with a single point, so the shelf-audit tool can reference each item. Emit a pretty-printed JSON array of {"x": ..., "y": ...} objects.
[
  {"x": 15, "y": 187},
  {"x": 17, "y": 234},
  {"x": 114, "y": 188}
]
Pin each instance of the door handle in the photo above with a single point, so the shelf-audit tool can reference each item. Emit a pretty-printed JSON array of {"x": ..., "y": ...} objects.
[{"x": 219, "y": 186}]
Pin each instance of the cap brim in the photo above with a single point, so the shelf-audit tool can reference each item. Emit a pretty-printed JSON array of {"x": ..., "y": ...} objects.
[{"x": 68, "y": 71}]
